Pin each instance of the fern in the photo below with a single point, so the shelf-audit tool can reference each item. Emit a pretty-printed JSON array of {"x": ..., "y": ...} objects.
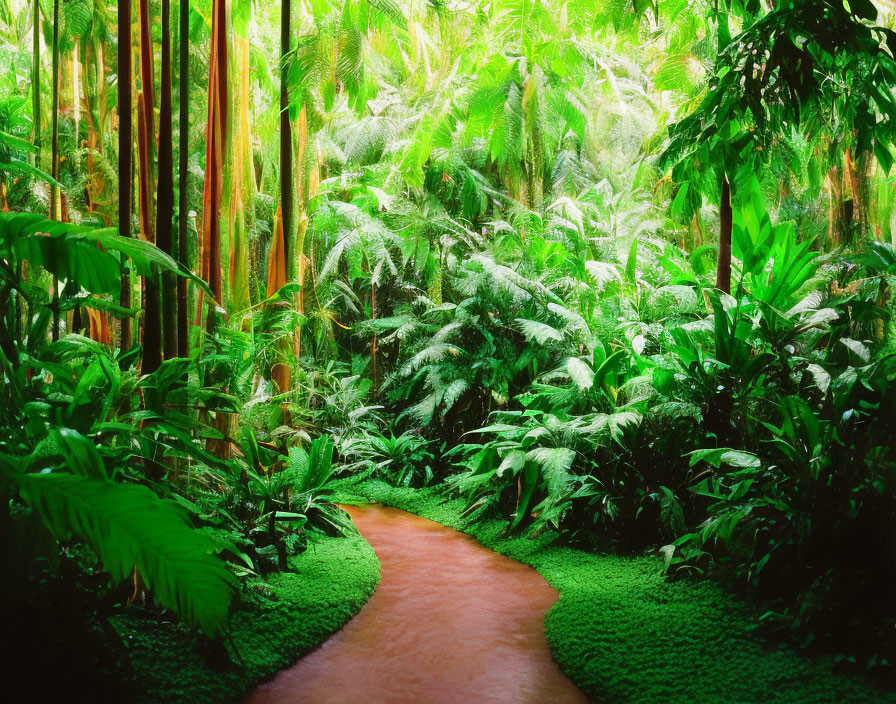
[
  {"x": 539, "y": 332},
  {"x": 313, "y": 467},
  {"x": 391, "y": 10},
  {"x": 128, "y": 526},
  {"x": 580, "y": 373},
  {"x": 453, "y": 393}
]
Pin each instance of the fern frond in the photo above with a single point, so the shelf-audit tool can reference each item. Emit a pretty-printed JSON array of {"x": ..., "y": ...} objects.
[
  {"x": 539, "y": 332},
  {"x": 129, "y": 526}
]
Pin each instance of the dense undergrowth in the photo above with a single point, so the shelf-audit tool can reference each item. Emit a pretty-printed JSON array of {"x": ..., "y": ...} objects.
[
  {"x": 279, "y": 620},
  {"x": 623, "y": 633},
  {"x": 617, "y": 274}
]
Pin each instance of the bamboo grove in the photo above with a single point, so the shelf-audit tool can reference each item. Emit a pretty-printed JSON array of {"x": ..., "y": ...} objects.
[{"x": 320, "y": 58}]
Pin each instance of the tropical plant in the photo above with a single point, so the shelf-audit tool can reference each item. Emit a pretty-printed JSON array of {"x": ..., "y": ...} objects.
[{"x": 403, "y": 460}]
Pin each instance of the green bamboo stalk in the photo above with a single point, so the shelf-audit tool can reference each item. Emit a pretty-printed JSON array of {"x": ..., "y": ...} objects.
[
  {"x": 165, "y": 193},
  {"x": 54, "y": 165},
  {"x": 125, "y": 156},
  {"x": 183, "y": 165}
]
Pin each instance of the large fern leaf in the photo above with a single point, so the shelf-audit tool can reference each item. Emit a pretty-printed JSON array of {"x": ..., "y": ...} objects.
[
  {"x": 541, "y": 333},
  {"x": 128, "y": 526}
]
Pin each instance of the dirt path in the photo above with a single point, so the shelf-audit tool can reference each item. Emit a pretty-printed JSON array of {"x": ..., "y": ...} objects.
[{"x": 450, "y": 622}]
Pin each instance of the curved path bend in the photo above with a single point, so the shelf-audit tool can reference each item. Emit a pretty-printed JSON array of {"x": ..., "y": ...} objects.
[{"x": 451, "y": 622}]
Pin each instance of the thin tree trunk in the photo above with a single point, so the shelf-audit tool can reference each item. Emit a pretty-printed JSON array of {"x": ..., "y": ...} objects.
[
  {"x": 286, "y": 184},
  {"x": 36, "y": 114},
  {"x": 214, "y": 156},
  {"x": 278, "y": 257},
  {"x": 723, "y": 267},
  {"x": 76, "y": 90},
  {"x": 242, "y": 179},
  {"x": 125, "y": 136},
  {"x": 165, "y": 197},
  {"x": 146, "y": 140},
  {"x": 302, "y": 224},
  {"x": 276, "y": 279},
  {"x": 183, "y": 165},
  {"x": 54, "y": 163},
  {"x": 830, "y": 213},
  {"x": 35, "y": 79}
]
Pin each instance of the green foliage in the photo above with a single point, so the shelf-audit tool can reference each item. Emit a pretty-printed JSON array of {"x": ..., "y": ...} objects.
[
  {"x": 402, "y": 460},
  {"x": 281, "y": 619},
  {"x": 267, "y": 506},
  {"x": 782, "y": 73},
  {"x": 130, "y": 527}
]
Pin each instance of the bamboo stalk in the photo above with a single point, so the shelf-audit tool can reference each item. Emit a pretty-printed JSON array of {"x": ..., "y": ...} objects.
[
  {"x": 286, "y": 186},
  {"x": 125, "y": 137},
  {"x": 216, "y": 136},
  {"x": 35, "y": 78},
  {"x": 165, "y": 192},
  {"x": 54, "y": 163},
  {"x": 146, "y": 141},
  {"x": 278, "y": 257},
  {"x": 183, "y": 165}
]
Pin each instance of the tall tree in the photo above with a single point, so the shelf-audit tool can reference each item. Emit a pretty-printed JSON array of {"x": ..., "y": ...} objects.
[
  {"x": 216, "y": 136},
  {"x": 183, "y": 165},
  {"x": 146, "y": 140},
  {"x": 165, "y": 197},
  {"x": 286, "y": 172},
  {"x": 241, "y": 192},
  {"x": 35, "y": 108},
  {"x": 125, "y": 135},
  {"x": 54, "y": 158},
  {"x": 278, "y": 257},
  {"x": 35, "y": 79},
  {"x": 730, "y": 136}
]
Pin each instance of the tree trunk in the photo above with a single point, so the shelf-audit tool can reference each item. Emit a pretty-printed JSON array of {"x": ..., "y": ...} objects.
[
  {"x": 35, "y": 79},
  {"x": 214, "y": 155},
  {"x": 125, "y": 136},
  {"x": 242, "y": 179},
  {"x": 183, "y": 165},
  {"x": 146, "y": 140},
  {"x": 858, "y": 210},
  {"x": 165, "y": 193},
  {"x": 54, "y": 158},
  {"x": 278, "y": 256},
  {"x": 76, "y": 92},
  {"x": 35, "y": 97},
  {"x": 286, "y": 184},
  {"x": 723, "y": 267}
]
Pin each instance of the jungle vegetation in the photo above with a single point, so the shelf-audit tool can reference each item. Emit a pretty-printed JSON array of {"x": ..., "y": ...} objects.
[{"x": 618, "y": 270}]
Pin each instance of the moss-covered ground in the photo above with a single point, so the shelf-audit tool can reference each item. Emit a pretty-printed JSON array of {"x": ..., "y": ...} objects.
[
  {"x": 625, "y": 634},
  {"x": 279, "y": 620}
]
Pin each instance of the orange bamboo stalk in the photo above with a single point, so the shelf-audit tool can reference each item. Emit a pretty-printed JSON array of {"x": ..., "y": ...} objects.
[{"x": 215, "y": 136}]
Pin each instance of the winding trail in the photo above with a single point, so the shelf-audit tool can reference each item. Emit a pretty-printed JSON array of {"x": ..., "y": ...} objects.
[{"x": 451, "y": 622}]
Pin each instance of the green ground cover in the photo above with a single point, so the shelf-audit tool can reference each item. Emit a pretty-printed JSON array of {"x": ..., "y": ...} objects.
[{"x": 280, "y": 620}]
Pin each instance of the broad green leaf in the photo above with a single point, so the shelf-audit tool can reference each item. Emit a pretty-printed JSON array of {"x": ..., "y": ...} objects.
[
  {"x": 539, "y": 332},
  {"x": 580, "y": 373},
  {"x": 128, "y": 526}
]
